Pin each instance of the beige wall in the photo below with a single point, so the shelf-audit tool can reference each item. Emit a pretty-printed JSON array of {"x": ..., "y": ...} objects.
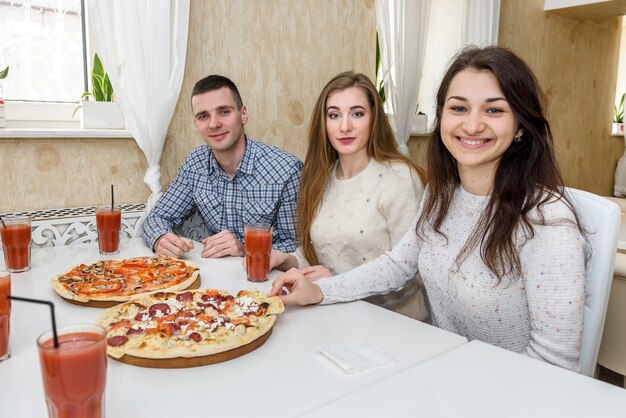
[
  {"x": 279, "y": 53},
  {"x": 576, "y": 64},
  {"x": 54, "y": 173}
]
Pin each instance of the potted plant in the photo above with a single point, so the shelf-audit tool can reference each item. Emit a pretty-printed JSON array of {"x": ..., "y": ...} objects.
[
  {"x": 420, "y": 123},
  {"x": 618, "y": 117},
  {"x": 3, "y": 74},
  {"x": 101, "y": 112}
]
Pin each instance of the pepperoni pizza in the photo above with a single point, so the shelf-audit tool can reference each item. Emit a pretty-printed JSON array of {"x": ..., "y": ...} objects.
[
  {"x": 123, "y": 280},
  {"x": 169, "y": 325}
]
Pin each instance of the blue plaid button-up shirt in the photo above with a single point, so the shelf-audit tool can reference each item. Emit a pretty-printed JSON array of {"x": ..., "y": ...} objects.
[{"x": 264, "y": 189}]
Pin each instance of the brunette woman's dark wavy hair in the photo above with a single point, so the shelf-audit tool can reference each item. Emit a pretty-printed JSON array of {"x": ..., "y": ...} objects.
[{"x": 527, "y": 175}]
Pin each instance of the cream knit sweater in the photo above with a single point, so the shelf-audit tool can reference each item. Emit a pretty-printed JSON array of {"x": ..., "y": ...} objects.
[
  {"x": 539, "y": 313},
  {"x": 362, "y": 217}
]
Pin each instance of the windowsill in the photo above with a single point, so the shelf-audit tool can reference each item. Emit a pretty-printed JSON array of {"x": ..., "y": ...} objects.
[
  {"x": 63, "y": 133},
  {"x": 420, "y": 134}
]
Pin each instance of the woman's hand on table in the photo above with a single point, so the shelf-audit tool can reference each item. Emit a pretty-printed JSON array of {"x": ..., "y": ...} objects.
[
  {"x": 222, "y": 244},
  {"x": 313, "y": 273},
  {"x": 172, "y": 245},
  {"x": 301, "y": 290}
]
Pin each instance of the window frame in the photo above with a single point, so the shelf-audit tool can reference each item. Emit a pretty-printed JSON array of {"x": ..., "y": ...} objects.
[{"x": 56, "y": 119}]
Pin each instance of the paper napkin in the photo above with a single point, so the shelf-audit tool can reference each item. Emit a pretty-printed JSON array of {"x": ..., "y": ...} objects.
[{"x": 356, "y": 357}]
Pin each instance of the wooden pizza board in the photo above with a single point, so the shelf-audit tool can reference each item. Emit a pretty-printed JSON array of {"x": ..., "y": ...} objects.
[
  {"x": 110, "y": 303},
  {"x": 183, "y": 362}
]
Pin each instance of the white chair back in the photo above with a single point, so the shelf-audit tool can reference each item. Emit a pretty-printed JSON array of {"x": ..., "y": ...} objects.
[{"x": 601, "y": 218}]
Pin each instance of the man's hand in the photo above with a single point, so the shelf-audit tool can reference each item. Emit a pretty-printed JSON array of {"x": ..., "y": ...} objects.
[
  {"x": 301, "y": 290},
  {"x": 282, "y": 261},
  {"x": 221, "y": 245},
  {"x": 313, "y": 273},
  {"x": 172, "y": 245}
]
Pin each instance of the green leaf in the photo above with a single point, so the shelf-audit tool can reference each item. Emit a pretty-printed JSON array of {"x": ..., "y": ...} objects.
[
  {"x": 102, "y": 90},
  {"x": 618, "y": 110},
  {"x": 4, "y": 73},
  {"x": 377, "y": 55}
]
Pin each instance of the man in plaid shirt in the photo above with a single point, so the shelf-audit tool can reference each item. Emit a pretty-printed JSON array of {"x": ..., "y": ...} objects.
[{"x": 232, "y": 181}]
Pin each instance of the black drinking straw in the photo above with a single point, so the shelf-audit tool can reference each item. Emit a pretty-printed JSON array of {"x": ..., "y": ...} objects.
[
  {"x": 2, "y": 222},
  {"x": 112, "y": 197},
  {"x": 44, "y": 302}
]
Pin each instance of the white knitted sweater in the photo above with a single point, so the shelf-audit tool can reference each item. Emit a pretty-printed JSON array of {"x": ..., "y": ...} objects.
[
  {"x": 539, "y": 313},
  {"x": 362, "y": 217}
]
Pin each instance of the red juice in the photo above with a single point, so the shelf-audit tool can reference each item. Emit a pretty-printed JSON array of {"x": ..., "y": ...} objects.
[
  {"x": 16, "y": 237},
  {"x": 109, "y": 222},
  {"x": 74, "y": 374},
  {"x": 5, "y": 314},
  {"x": 258, "y": 247}
]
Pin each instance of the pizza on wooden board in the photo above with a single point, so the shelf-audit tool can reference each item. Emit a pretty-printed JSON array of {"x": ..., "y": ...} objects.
[
  {"x": 123, "y": 280},
  {"x": 194, "y": 323}
]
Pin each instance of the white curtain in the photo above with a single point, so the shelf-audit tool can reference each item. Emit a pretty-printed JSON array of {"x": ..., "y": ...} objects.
[
  {"x": 480, "y": 22},
  {"x": 417, "y": 32},
  {"x": 143, "y": 44},
  {"x": 402, "y": 33}
]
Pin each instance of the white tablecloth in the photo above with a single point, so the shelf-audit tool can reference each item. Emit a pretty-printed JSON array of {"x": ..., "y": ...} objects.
[
  {"x": 482, "y": 381},
  {"x": 285, "y": 377}
]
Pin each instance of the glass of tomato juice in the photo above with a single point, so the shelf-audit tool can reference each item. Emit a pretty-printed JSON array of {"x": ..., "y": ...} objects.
[
  {"x": 74, "y": 373},
  {"x": 109, "y": 223},
  {"x": 16, "y": 238},
  {"x": 5, "y": 313},
  {"x": 257, "y": 242}
]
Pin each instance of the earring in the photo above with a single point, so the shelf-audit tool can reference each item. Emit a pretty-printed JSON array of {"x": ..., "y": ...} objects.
[{"x": 518, "y": 137}]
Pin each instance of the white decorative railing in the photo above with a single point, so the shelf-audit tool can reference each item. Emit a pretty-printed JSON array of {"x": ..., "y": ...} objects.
[
  {"x": 66, "y": 226},
  {"x": 193, "y": 227}
]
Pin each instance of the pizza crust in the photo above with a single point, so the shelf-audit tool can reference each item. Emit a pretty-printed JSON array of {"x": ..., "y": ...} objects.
[{"x": 63, "y": 292}]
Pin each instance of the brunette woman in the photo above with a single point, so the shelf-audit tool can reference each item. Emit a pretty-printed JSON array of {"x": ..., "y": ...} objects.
[{"x": 496, "y": 241}]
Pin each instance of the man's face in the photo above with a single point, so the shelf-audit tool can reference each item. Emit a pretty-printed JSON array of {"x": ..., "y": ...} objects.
[{"x": 219, "y": 121}]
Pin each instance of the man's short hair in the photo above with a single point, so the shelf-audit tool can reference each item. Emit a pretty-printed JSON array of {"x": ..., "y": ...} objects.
[{"x": 216, "y": 82}]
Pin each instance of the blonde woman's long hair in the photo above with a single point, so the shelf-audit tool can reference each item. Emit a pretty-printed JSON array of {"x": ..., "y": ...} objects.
[{"x": 321, "y": 156}]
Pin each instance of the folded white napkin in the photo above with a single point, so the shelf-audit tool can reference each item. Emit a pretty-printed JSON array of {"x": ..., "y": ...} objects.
[{"x": 356, "y": 357}]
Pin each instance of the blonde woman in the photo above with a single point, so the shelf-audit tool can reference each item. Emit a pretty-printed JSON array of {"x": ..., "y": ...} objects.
[{"x": 358, "y": 193}]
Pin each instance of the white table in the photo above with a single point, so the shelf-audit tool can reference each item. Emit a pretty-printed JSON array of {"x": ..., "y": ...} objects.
[
  {"x": 285, "y": 377},
  {"x": 480, "y": 380}
]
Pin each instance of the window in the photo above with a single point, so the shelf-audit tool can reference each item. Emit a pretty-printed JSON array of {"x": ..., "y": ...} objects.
[
  {"x": 452, "y": 24},
  {"x": 444, "y": 40},
  {"x": 42, "y": 43},
  {"x": 620, "y": 87}
]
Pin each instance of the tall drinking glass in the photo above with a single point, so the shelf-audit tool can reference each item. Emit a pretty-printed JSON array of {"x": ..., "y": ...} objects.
[
  {"x": 109, "y": 223},
  {"x": 257, "y": 242},
  {"x": 16, "y": 237},
  {"x": 5, "y": 313},
  {"x": 74, "y": 374}
]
